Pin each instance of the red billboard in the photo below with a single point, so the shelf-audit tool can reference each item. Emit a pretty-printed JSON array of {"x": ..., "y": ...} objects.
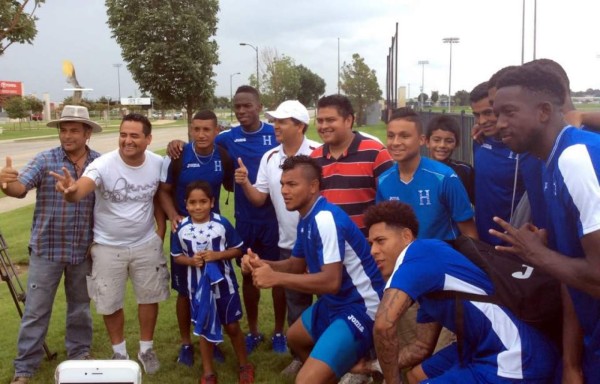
[{"x": 11, "y": 88}]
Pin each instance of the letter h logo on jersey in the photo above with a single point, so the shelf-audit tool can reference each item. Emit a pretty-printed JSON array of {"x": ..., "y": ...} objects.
[
  {"x": 266, "y": 140},
  {"x": 218, "y": 166},
  {"x": 424, "y": 198}
]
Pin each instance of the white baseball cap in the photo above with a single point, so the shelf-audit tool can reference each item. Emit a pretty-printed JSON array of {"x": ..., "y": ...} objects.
[{"x": 290, "y": 108}]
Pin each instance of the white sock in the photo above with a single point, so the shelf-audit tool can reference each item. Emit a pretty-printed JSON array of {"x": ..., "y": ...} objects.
[
  {"x": 120, "y": 348},
  {"x": 145, "y": 345}
]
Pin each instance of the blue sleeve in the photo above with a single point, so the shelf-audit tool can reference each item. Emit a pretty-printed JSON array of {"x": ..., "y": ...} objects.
[
  {"x": 32, "y": 174},
  {"x": 232, "y": 238},
  {"x": 418, "y": 274},
  {"x": 176, "y": 248},
  {"x": 378, "y": 195},
  {"x": 298, "y": 249},
  {"x": 456, "y": 199}
]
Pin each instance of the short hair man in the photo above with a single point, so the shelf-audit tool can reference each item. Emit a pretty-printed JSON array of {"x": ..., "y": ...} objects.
[
  {"x": 335, "y": 332},
  {"x": 60, "y": 236},
  {"x": 125, "y": 182},
  {"x": 433, "y": 189},
  {"x": 291, "y": 121},
  {"x": 499, "y": 180},
  {"x": 529, "y": 105},
  {"x": 351, "y": 162},
  {"x": 442, "y": 136},
  {"x": 498, "y": 347},
  {"x": 200, "y": 159}
]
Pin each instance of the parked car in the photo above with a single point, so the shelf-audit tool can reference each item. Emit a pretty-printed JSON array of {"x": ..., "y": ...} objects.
[
  {"x": 38, "y": 116},
  {"x": 177, "y": 115}
]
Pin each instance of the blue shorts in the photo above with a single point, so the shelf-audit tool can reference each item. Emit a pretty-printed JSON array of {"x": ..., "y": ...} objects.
[
  {"x": 178, "y": 273},
  {"x": 336, "y": 343},
  {"x": 262, "y": 238},
  {"x": 229, "y": 308},
  {"x": 445, "y": 367}
]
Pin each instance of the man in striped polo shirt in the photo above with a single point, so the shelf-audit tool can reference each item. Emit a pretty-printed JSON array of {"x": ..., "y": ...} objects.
[{"x": 351, "y": 162}]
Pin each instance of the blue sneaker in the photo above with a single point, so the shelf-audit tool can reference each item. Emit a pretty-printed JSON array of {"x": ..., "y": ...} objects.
[
  {"x": 279, "y": 343},
  {"x": 252, "y": 341},
  {"x": 186, "y": 355},
  {"x": 218, "y": 354}
]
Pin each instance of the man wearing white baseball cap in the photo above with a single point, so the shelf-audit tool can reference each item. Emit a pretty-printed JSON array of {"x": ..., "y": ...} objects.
[
  {"x": 60, "y": 237},
  {"x": 291, "y": 121}
]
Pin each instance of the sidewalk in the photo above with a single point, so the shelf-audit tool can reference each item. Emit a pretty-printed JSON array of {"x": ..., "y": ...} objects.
[{"x": 8, "y": 204}]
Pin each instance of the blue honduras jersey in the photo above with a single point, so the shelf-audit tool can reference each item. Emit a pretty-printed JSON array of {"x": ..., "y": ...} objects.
[
  {"x": 195, "y": 168},
  {"x": 435, "y": 193},
  {"x": 327, "y": 235},
  {"x": 495, "y": 166},
  {"x": 217, "y": 234},
  {"x": 493, "y": 336},
  {"x": 572, "y": 194},
  {"x": 249, "y": 146}
]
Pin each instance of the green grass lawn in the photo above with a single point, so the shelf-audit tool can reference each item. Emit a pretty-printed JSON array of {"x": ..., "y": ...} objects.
[{"x": 15, "y": 227}]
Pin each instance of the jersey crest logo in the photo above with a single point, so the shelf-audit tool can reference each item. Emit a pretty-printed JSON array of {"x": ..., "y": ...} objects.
[
  {"x": 218, "y": 167},
  {"x": 267, "y": 140},
  {"x": 424, "y": 198}
]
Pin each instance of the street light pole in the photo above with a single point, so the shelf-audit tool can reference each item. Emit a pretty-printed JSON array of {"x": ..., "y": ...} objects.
[
  {"x": 255, "y": 49},
  {"x": 422, "y": 63},
  {"x": 118, "y": 66},
  {"x": 231, "y": 95},
  {"x": 450, "y": 40}
]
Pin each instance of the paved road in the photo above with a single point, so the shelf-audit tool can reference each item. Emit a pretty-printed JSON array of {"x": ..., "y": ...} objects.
[{"x": 24, "y": 149}]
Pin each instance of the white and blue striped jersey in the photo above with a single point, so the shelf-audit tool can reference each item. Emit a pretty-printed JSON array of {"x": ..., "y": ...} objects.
[
  {"x": 217, "y": 234},
  {"x": 327, "y": 235}
]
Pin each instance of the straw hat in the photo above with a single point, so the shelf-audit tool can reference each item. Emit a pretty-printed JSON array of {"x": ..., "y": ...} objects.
[{"x": 75, "y": 113}]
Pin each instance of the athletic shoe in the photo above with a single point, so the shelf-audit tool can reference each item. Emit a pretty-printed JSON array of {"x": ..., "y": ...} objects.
[
  {"x": 118, "y": 356},
  {"x": 355, "y": 378},
  {"x": 20, "y": 380},
  {"x": 149, "y": 361},
  {"x": 186, "y": 355},
  {"x": 218, "y": 355},
  {"x": 252, "y": 341},
  {"x": 292, "y": 369},
  {"x": 279, "y": 343},
  {"x": 85, "y": 356},
  {"x": 210, "y": 379},
  {"x": 246, "y": 374}
]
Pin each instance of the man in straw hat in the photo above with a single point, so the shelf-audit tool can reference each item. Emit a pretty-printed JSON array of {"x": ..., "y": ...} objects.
[{"x": 60, "y": 236}]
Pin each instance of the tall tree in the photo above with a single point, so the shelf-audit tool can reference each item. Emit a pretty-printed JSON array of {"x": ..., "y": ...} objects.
[
  {"x": 435, "y": 96},
  {"x": 34, "y": 104},
  {"x": 16, "y": 107},
  {"x": 359, "y": 83},
  {"x": 280, "y": 81},
  {"x": 17, "y": 22},
  {"x": 169, "y": 48},
  {"x": 312, "y": 86},
  {"x": 461, "y": 98}
]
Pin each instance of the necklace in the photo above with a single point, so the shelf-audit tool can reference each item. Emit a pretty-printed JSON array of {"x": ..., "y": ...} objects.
[
  {"x": 198, "y": 158},
  {"x": 75, "y": 162}
]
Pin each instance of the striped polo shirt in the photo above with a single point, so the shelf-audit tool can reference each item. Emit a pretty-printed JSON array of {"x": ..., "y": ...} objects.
[{"x": 350, "y": 181}]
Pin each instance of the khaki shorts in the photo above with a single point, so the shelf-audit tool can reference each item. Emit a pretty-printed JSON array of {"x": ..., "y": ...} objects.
[{"x": 144, "y": 264}]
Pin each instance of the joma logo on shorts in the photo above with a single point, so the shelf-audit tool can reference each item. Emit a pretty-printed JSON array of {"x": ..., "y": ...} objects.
[{"x": 357, "y": 323}]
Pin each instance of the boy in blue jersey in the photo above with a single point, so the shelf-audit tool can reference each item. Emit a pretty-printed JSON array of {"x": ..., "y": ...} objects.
[
  {"x": 441, "y": 137},
  {"x": 528, "y": 103},
  {"x": 204, "y": 244},
  {"x": 497, "y": 346},
  {"x": 433, "y": 189},
  {"x": 336, "y": 331},
  {"x": 200, "y": 160}
]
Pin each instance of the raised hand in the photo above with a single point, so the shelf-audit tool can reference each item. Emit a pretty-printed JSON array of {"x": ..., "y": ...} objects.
[
  {"x": 8, "y": 174},
  {"x": 65, "y": 182},
  {"x": 241, "y": 173}
]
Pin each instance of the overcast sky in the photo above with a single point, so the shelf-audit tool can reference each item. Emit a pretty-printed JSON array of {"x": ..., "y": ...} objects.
[{"x": 308, "y": 31}]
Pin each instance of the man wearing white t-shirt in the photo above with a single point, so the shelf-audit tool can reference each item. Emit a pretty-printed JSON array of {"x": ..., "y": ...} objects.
[
  {"x": 291, "y": 122},
  {"x": 125, "y": 242}
]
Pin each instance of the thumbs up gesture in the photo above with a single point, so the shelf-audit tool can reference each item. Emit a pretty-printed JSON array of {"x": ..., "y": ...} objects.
[
  {"x": 241, "y": 173},
  {"x": 8, "y": 174},
  {"x": 65, "y": 182},
  {"x": 250, "y": 261}
]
